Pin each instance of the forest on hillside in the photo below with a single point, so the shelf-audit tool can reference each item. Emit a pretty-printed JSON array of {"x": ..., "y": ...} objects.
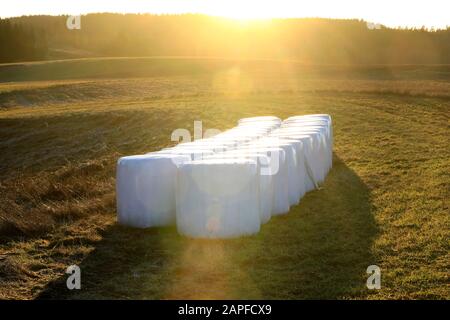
[{"x": 310, "y": 40}]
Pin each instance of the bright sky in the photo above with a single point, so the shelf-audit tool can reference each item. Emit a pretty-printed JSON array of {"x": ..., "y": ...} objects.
[{"x": 430, "y": 13}]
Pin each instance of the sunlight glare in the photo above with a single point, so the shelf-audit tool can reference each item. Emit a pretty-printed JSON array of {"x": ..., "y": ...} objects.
[
  {"x": 243, "y": 10},
  {"x": 432, "y": 13}
]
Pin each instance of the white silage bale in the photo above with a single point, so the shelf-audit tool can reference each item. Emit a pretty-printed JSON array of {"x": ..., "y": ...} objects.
[
  {"x": 226, "y": 142},
  {"x": 301, "y": 169},
  {"x": 218, "y": 198},
  {"x": 237, "y": 138},
  {"x": 277, "y": 169},
  {"x": 229, "y": 142},
  {"x": 296, "y": 171},
  {"x": 323, "y": 128},
  {"x": 322, "y": 155},
  {"x": 310, "y": 165},
  {"x": 194, "y": 154},
  {"x": 291, "y": 161},
  {"x": 326, "y": 117},
  {"x": 320, "y": 123},
  {"x": 326, "y": 143},
  {"x": 145, "y": 189},
  {"x": 319, "y": 158},
  {"x": 258, "y": 127},
  {"x": 213, "y": 147},
  {"x": 259, "y": 119},
  {"x": 248, "y": 130},
  {"x": 265, "y": 180}
]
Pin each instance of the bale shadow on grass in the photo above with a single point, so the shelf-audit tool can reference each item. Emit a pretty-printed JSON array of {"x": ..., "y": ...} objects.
[{"x": 320, "y": 250}]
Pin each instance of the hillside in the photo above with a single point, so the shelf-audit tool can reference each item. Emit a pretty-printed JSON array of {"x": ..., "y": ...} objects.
[{"x": 309, "y": 40}]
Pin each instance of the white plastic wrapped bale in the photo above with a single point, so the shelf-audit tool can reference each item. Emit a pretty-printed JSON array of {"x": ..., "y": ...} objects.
[
  {"x": 226, "y": 143},
  {"x": 327, "y": 136},
  {"x": 294, "y": 184},
  {"x": 324, "y": 120},
  {"x": 265, "y": 180},
  {"x": 218, "y": 198},
  {"x": 199, "y": 143},
  {"x": 320, "y": 153},
  {"x": 237, "y": 138},
  {"x": 145, "y": 188},
  {"x": 212, "y": 147},
  {"x": 258, "y": 126},
  {"x": 248, "y": 130},
  {"x": 321, "y": 157},
  {"x": 262, "y": 119},
  {"x": 300, "y": 163},
  {"x": 310, "y": 116},
  {"x": 318, "y": 131},
  {"x": 325, "y": 144},
  {"x": 314, "y": 124},
  {"x": 311, "y": 123},
  {"x": 301, "y": 169},
  {"x": 277, "y": 169},
  {"x": 309, "y": 164},
  {"x": 194, "y": 154},
  {"x": 291, "y": 164},
  {"x": 326, "y": 117},
  {"x": 292, "y": 169}
]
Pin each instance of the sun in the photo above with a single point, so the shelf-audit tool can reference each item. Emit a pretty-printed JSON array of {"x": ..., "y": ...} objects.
[{"x": 242, "y": 10}]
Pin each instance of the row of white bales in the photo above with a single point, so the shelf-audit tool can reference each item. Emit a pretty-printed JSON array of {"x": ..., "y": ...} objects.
[{"x": 229, "y": 184}]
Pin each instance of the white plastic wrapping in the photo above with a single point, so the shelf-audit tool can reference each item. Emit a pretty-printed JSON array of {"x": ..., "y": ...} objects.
[
  {"x": 309, "y": 165},
  {"x": 300, "y": 164},
  {"x": 323, "y": 128},
  {"x": 279, "y": 172},
  {"x": 263, "y": 119},
  {"x": 320, "y": 150},
  {"x": 294, "y": 184},
  {"x": 265, "y": 179},
  {"x": 194, "y": 154},
  {"x": 318, "y": 118},
  {"x": 218, "y": 198},
  {"x": 145, "y": 188}
]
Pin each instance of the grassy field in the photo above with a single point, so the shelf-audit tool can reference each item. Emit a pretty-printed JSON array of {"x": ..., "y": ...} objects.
[{"x": 386, "y": 201}]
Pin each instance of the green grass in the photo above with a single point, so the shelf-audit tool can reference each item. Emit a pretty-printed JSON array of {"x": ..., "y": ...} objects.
[{"x": 385, "y": 202}]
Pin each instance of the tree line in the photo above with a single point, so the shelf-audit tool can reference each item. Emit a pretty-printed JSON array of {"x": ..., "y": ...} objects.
[
  {"x": 19, "y": 43},
  {"x": 312, "y": 40}
]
